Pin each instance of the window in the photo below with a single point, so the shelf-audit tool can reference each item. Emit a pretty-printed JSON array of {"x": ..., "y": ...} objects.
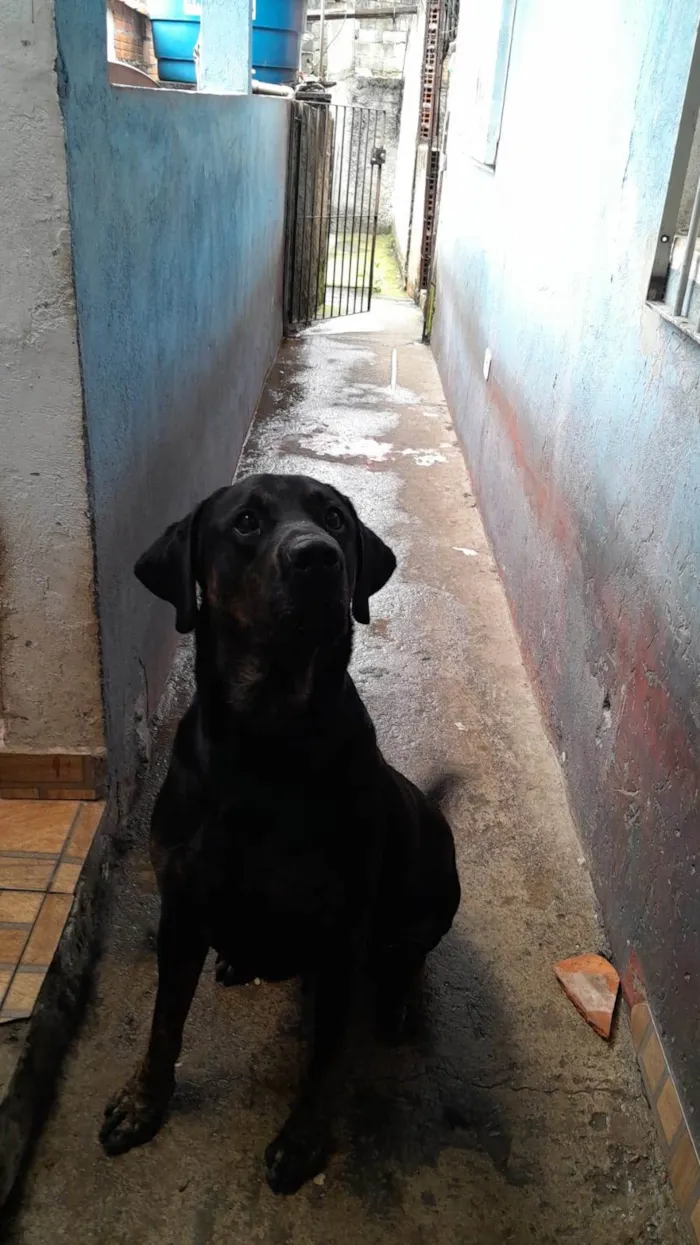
[
  {"x": 674, "y": 289},
  {"x": 488, "y": 36}
]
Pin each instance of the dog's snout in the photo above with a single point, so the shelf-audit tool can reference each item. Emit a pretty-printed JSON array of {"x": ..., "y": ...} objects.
[{"x": 310, "y": 554}]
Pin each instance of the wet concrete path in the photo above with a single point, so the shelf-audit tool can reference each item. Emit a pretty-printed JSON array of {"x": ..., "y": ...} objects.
[{"x": 508, "y": 1120}]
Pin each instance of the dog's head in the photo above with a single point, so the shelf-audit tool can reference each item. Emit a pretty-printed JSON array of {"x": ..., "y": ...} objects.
[{"x": 271, "y": 554}]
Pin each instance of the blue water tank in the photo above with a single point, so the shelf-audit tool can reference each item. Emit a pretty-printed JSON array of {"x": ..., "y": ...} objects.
[
  {"x": 278, "y": 26},
  {"x": 175, "y": 25}
]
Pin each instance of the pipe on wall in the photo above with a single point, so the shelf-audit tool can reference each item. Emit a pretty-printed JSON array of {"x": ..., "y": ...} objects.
[{"x": 272, "y": 88}]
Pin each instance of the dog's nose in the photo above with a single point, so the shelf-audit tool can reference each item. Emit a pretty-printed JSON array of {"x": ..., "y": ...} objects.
[{"x": 310, "y": 554}]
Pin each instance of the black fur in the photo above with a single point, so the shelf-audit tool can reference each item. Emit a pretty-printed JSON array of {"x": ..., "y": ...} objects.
[{"x": 281, "y": 836}]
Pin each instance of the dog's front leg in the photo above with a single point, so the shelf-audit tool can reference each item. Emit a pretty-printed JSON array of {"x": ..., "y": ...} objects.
[
  {"x": 302, "y": 1148},
  {"x": 135, "y": 1114}
]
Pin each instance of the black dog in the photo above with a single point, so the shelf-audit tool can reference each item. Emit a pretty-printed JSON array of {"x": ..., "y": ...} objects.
[{"x": 281, "y": 836}]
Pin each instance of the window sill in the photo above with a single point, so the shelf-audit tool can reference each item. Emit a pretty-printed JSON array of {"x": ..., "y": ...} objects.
[{"x": 680, "y": 323}]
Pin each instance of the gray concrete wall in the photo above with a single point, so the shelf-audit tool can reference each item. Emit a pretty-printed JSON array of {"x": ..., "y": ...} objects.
[
  {"x": 177, "y": 207},
  {"x": 363, "y": 48},
  {"x": 49, "y": 663},
  {"x": 584, "y": 445}
]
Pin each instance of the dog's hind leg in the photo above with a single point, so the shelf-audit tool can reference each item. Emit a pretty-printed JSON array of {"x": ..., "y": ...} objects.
[
  {"x": 135, "y": 1114},
  {"x": 395, "y": 974}
]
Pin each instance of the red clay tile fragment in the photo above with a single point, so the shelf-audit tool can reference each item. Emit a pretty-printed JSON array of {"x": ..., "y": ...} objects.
[{"x": 592, "y": 984}]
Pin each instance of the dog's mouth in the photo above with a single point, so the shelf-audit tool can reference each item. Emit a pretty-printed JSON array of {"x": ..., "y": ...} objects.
[
  {"x": 325, "y": 613},
  {"x": 286, "y": 611}
]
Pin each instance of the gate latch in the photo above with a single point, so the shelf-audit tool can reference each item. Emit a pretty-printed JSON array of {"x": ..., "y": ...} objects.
[{"x": 378, "y": 155}]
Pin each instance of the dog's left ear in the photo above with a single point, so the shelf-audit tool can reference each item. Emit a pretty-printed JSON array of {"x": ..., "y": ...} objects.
[{"x": 376, "y": 563}]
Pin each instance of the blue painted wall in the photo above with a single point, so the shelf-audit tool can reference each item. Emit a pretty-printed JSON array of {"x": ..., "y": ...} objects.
[
  {"x": 177, "y": 214},
  {"x": 584, "y": 446}
]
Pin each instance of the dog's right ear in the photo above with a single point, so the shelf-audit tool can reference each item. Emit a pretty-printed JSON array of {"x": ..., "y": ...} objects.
[{"x": 168, "y": 569}]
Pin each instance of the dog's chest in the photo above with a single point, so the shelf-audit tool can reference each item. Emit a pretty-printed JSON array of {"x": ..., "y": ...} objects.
[
  {"x": 275, "y": 888},
  {"x": 279, "y": 858}
]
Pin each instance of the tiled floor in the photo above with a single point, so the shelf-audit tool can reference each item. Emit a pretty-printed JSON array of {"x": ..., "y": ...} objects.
[
  {"x": 681, "y": 1156},
  {"x": 43, "y": 846}
]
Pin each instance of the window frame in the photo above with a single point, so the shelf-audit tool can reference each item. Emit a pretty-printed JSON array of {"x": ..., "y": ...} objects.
[
  {"x": 484, "y": 133},
  {"x": 657, "y": 295}
]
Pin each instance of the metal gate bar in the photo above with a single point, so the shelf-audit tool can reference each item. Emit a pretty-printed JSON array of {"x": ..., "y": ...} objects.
[{"x": 333, "y": 210}]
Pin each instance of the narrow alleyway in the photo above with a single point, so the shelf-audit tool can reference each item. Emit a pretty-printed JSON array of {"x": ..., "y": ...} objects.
[{"x": 509, "y": 1120}]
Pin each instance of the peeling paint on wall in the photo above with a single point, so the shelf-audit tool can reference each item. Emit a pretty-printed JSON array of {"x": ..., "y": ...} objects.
[{"x": 584, "y": 447}]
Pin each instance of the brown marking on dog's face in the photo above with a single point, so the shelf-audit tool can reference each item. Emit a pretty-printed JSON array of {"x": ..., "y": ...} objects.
[
  {"x": 241, "y": 605},
  {"x": 251, "y": 542}
]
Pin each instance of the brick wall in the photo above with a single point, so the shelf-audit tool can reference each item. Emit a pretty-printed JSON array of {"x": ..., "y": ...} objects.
[{"x": 131, "y": 36}]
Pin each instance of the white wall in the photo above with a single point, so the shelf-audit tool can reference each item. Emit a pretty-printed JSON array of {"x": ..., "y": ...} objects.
[
  {"x": 49, "y": 667},
  {"x": 583, "y": 443},
  {"x": 406, "y": 154}
]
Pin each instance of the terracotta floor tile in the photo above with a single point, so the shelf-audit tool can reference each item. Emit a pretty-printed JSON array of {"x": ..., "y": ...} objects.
[
  {"x": 86, "y": 824},
  {"x": 20, "y": 873},
  {"x": 653, "y": 1061},
  {"x": 47, "y": 931},
  {"x": 669, "y": 1109},
  {"x": 19, "y": 906},
  {"x": 12, "y": 945},
  {"x": 683, "y": 1170},
  {"x": 593, "y": 985},
  {"x": 67, "y": 793},
  {"x": 22, "y": 995},
  {"x": 35, "y": 825},
  {"x": 66, "y": 878},
  {"x": 639, "y": 1020},
  {"x": 5, "y": 978}
]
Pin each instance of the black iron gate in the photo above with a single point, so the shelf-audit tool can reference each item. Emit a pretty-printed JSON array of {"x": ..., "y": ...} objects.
[{"x": 334, "y": 182}]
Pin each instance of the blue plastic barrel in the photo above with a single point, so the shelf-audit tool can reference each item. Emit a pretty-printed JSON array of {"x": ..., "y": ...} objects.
[
  {"x": 175, "y": 25},
  {"x": 278, "y": 26}
]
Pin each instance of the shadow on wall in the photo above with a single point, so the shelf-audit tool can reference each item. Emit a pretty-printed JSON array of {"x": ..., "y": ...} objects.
[{"x": 177, "y": 212}]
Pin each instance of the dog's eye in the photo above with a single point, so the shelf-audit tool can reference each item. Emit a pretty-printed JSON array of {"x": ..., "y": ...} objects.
[
  {"x": 334, "y": 519},
  {"x": 246, "y": 522}
]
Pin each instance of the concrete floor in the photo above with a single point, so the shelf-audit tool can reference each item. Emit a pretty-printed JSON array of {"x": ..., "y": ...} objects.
[{"x": 509, "y": 1120}]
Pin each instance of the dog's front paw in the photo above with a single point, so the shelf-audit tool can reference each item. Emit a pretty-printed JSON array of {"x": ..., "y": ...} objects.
[
  {"x": 225, "y": 973},
  {"x": 132, "y": 1117},
  {"x": 297, "y": 1155}
]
